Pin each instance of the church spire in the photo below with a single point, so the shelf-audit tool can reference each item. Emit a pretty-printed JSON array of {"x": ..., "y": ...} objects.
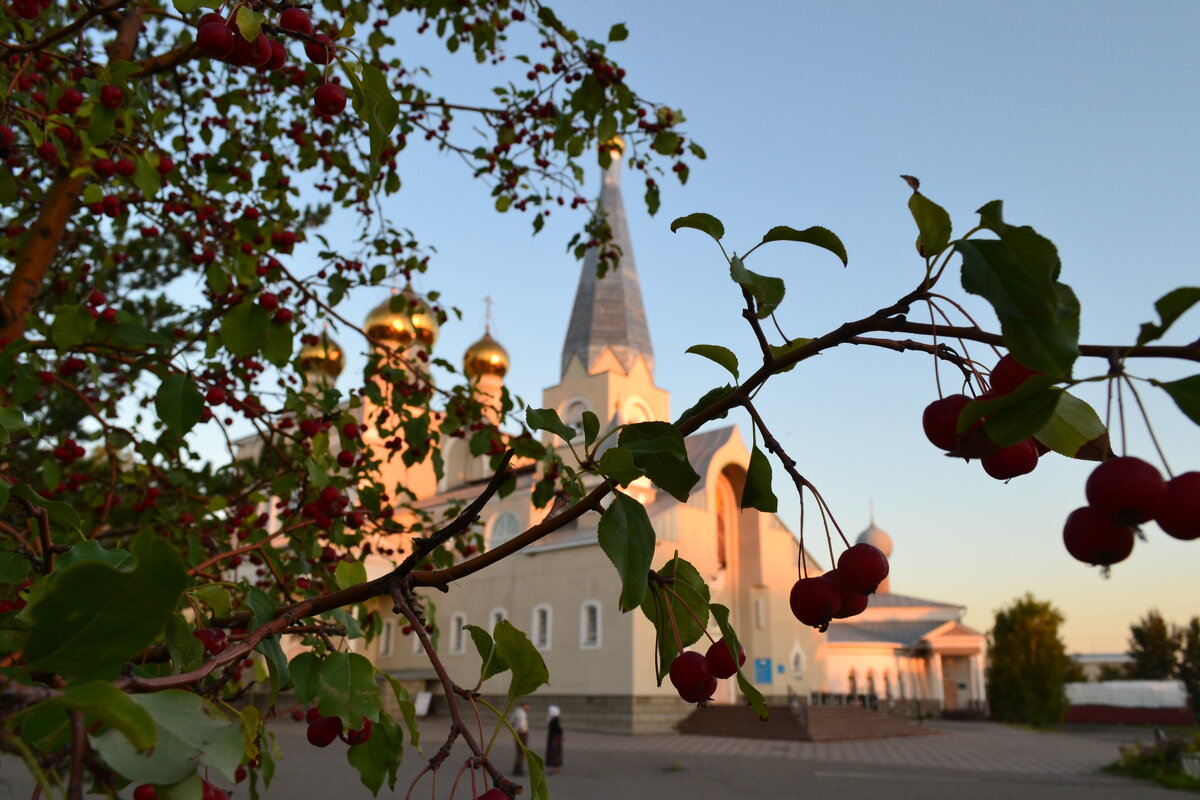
[{"x": 608, "y": 313}]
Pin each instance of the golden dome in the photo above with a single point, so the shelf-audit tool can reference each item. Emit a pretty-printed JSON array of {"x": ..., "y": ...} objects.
[
  {"x": 323, "y": 357},
  {"x": 616, "y": 147},
  {"x": 401, "y": 319},
  {"x": 485, "y": 357}
]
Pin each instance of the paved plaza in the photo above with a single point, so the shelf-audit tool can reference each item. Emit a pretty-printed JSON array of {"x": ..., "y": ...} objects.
[{"x": 977, "y": 761}]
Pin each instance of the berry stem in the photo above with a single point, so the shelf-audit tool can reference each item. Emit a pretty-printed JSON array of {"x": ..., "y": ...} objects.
[
  {"x": 1150, "y": 428},
  {"x": 937, "y": 375}
]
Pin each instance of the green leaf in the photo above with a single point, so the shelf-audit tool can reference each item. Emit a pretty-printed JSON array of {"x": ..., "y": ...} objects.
[
  {"x": 375, "y": 105},
  {"x": 186, "y": 651},
  {"x": 179, "y": 403},
  {"x": 124, "y": 611},
  {"x": 591, "y": 428},
  {"x": 11, "y": 419},
  {"x": 13, "y": 568},
  {"x": 191, "y": 734},
  {"x": 243, "y": 328},
  {"x": 686, "y": 602},
  {"x": 146, "y": 177},
  {"x": 714, "y": 352},
  {"x": 1171, "y": 306},
  {"x": 701, "y": 222},
  {"x": 767, "y": 291},
  {"x": 346, "y": 688},
  {"x": 816, "y": 235},
  {"x": 618, "y": 33},
  {"x": 627, "y": 538},
  {"x": 547, "y": 419},
  {"x": 658, "y": 449},
  {"x": 278, "y": 347},
  {"x": 248, "y": 23},
  {"x": 304, "y": 669},
  {"x": 617, "y": 463},
  {"x": 779, "y": 351},
  {"x": 103, "y": 123},
  {"x": 380, "y": 756},
  {"x": 757, "y": 491},
  {"x": 407, "y": 710},
  {"x": 349, "y": 573},
  {"x": 1075, "y": 430},
  {"x": 61, "y": 515},
  {"x": 1038, "y": 317},
  {"x": 72, "y": 326},
  {"x": 1017, "y": 415},
  {"x": 490, "y": 663},
  {"x": 528, "y": 669},
  {"x": 538, "y": 789},
  {"x": 186, "y": 6},
  {"x": 933, "y": 225},
  {"x": 721, "y": 614},
  {"x": 100, "y": 701},
  {"x": 117, "y": 557},
  {"x": 215, "y": 596},
  {"x": 262, "y": 611},
  {"x": 1186, "y": 394},
  {"x": 706, "y": 400}
]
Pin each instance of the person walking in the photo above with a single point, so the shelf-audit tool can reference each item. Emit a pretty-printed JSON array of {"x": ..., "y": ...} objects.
[
  {"x": 554, "y": 741},
  {"x": 520, "y": 725}
]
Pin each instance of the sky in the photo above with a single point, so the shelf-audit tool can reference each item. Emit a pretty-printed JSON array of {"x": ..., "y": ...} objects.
[{"x": 1081, "y": 116}]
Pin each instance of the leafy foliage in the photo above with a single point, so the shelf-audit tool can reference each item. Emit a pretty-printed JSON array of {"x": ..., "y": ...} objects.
[{"x": 1027, "y": 664}]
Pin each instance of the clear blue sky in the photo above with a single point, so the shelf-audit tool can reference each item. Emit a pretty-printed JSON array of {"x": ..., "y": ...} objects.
[{"x": 1081, "y": 116}]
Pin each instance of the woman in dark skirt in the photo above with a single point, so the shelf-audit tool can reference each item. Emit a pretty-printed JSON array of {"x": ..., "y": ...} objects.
[{"x": 554, "y": 741}]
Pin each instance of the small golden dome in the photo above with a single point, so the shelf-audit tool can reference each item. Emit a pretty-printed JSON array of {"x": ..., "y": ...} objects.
[
  {"x": 323, "y": 357},
  {"x": 401, "y": 319},
  {"x": 485, "y": 357},
  {"x": 616, "y": 147}
]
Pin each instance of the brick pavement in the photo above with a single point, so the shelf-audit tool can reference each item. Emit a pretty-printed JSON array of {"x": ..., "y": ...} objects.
[{"x": 974, "y": 746}]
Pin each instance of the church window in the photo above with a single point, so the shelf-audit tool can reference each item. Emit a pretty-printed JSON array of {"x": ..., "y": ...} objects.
[
  {"x": 760, "y": 613},
  {"x": 505, "y": 526},
  {"x": 723, "y": 505},
  {"x": 497, "y": 616},
  {"x": 386, "y": 638},
  {"x": 458, "y": 633},
  {"x": 541, "y": 627},
  {"x": 797, "y": 662},
  {"x": 418, "y": 648},
  {"x": 573, "y": 414},
  {"x": 852, "y": 682},
  {"x": 589, "y": 625},
  {"x": 635, "y": 412}
]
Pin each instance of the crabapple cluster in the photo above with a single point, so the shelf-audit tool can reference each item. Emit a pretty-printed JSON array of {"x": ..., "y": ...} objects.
[
  {"x": 323, "y": 730},
  {"x": 1123, "y": 493},
  {"x": 695, "y": 676},
  {"x": 220, "y": 38},
  {"x": 940, "y": 422},
  {"x": 841, "y": 592}
]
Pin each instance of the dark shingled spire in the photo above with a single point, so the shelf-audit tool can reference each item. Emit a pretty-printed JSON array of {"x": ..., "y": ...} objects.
[{"x": 608, "y": 312}]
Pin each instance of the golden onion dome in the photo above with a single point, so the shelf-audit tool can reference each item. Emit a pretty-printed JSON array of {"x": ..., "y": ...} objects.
[
  {"x": 485, "y": 357},
  {"x": 616, "y": 147},
  {"x": 322, "y": 357},
  {"x": 400, "y": 320}
]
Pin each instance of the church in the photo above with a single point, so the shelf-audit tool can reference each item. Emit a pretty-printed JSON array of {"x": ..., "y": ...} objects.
[{"x": 904, "y": 654}]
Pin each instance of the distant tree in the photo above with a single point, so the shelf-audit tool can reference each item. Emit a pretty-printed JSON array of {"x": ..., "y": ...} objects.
[
  {"x": 1189, "y": 661},
  {"x": 1154, "y": 648},
  {"x": 1076, "y": 673},
  {"x": 1113, "y": 672},
  {"x": 1028, "y": 664}
]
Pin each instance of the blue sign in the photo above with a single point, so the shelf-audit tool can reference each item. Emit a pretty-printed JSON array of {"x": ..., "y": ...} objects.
[{"x": 762, "y": 670}]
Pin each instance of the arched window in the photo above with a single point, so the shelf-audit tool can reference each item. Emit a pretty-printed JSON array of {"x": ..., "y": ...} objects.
[
  {"x": 503, "y": 527},
  {"x": 541, "y": 627},
  {"x": 798, "y": 662},
  {"x": 497, "y": 616},
  {"x": 636, "y": 411},
  {"x": 589, "y": 625},
  {"x": 726, "y": 519},
  {"x": 572, "y": 413},
  {"x": 458, "y": 634},
  {"x": 386, "y": 638},
  {"x": 870, "y": 681},
  {"x": 852, "y": 682}
]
